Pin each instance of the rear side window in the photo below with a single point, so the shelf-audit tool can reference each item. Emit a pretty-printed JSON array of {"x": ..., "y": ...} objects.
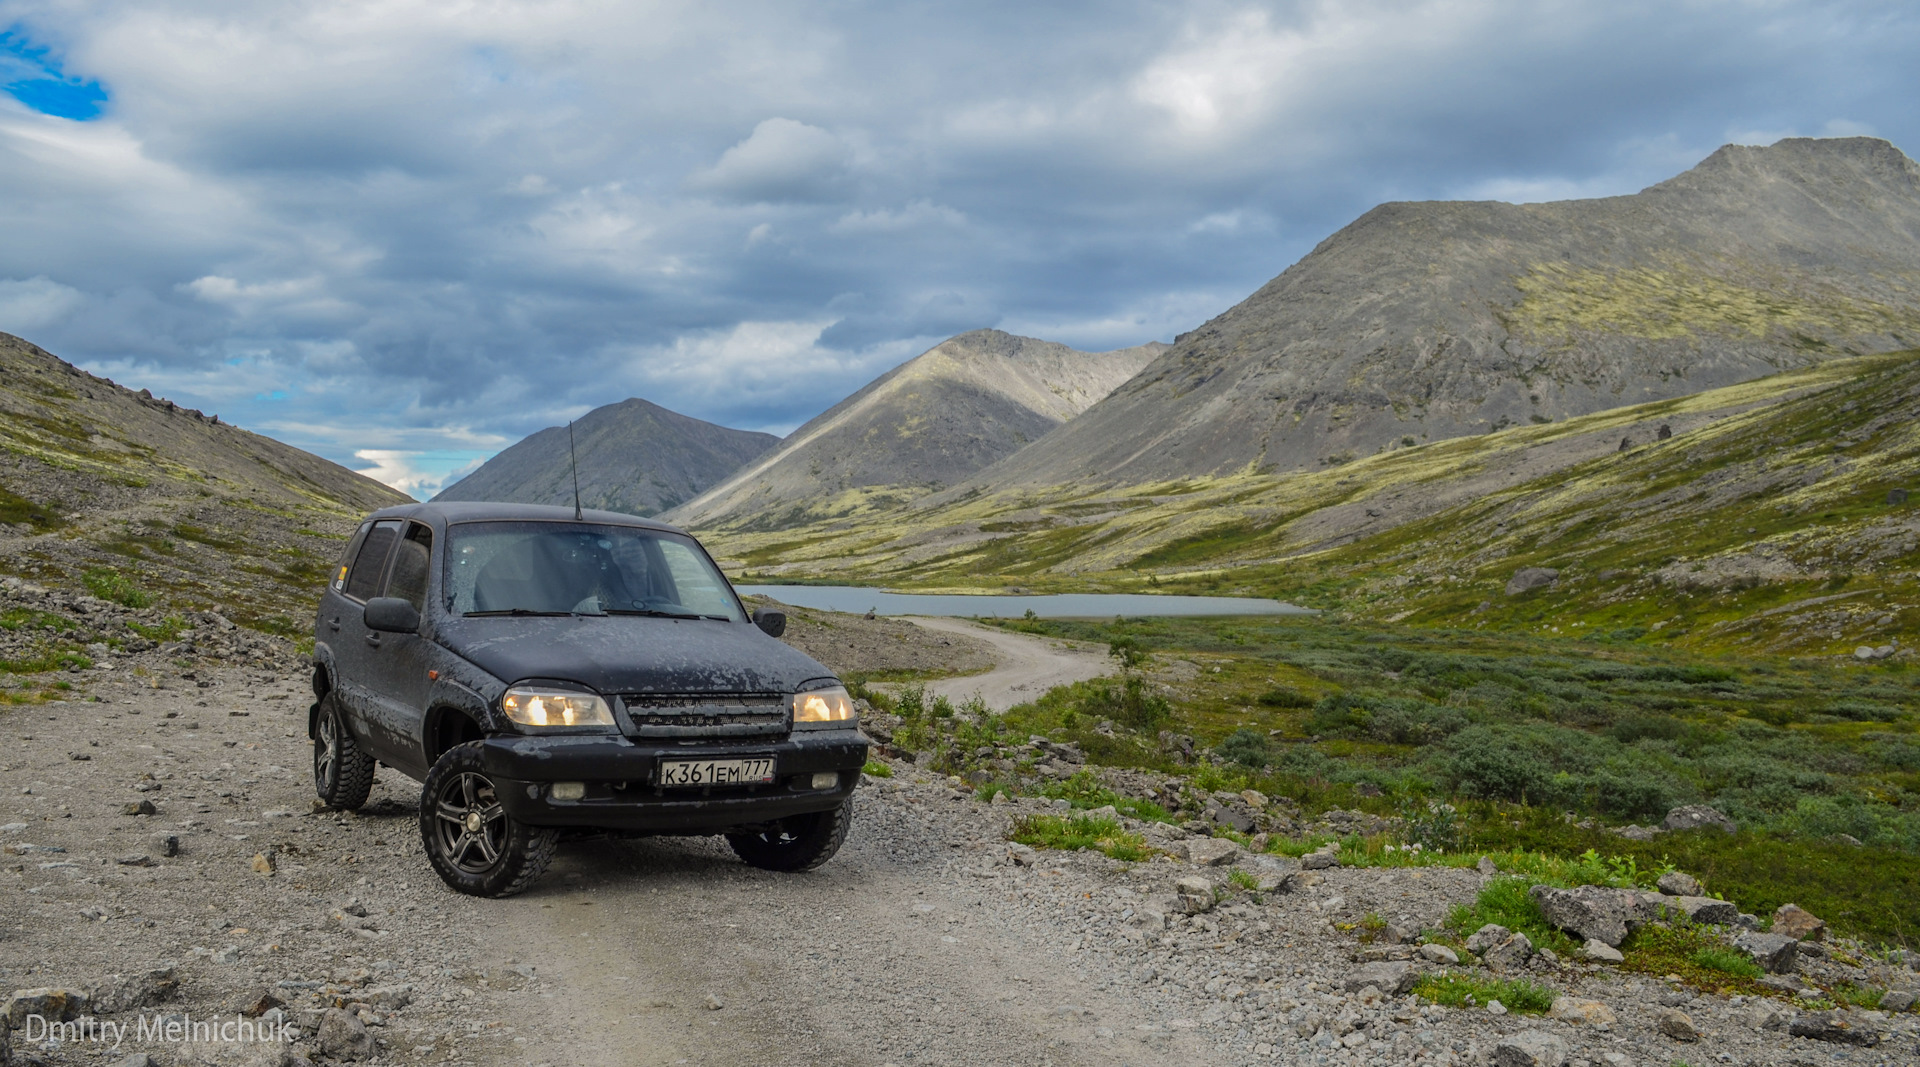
[
  {"x": 339, "y": 582},
  {"x": 370, "y": 563},
  {"x": 409, "y": 578}
]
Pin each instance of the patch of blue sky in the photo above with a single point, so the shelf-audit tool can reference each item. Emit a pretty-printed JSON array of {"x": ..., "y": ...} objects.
[{"x": 30, "y": 74}]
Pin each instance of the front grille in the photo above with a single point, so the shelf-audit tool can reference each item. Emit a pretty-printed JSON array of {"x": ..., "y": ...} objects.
[{"x": 707, "y": 716}]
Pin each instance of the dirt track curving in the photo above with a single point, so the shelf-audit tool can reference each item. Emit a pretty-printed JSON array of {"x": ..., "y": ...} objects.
[{"x": 1024, "y": 666}]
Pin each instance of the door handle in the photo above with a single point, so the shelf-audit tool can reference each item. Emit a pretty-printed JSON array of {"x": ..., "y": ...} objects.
[
  {"x": 334, "y": 623},
  {"x": 374, "y": 640}
]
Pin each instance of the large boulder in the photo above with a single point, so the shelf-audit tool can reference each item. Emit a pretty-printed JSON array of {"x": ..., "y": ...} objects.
[
  {"x": 1211, "y": 851},
  {"x": 1509, "y": 955},
  {"x": 53, "y": 1005},
  {"x": 1707, "y": 910},
  {"x": 1834, "y": 1026},
  {"x": 1680, "y": 884},
  {"x": 1695, "y": 816},
  {"x": 1590, "y": 912},
  {"x": 1581, "y": 1012},
  {"x": 343, "y": 1036},
  {"x": 1527, "y": 579},
  {"x": 1486, "y": 937},
  {"x": 127, "y": 992},
  {"x": 1775, "y": 952},
  {"x": 1393, "y": 978},
  {"x": 1530, "y": 1048},
  {"x": 1196, "y": 894},
  {"x": 1797, "y": 922}
]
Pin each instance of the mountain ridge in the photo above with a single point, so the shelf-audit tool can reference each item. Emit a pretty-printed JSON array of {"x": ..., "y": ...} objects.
[
  {"x": 931, "y": 421},
  {"x": 634, "y": 456},
  {"x": 1423, "y": 321}
]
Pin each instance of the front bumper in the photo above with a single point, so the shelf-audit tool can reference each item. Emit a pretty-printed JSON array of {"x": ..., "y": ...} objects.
[{"x": 622, "y": 794}]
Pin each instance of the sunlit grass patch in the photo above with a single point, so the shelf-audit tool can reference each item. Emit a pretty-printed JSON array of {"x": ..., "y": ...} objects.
[
  {"x": 1472, "y": 991},
  {"x": 1076, "y": 832},
  {"x": 877, "y": 769},
  {"x": 1506, "y": 902},
  {"x": 1695, "y": 954}
]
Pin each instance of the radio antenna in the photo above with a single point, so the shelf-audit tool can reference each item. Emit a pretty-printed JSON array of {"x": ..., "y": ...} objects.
[{"x": 573, "y": 458}]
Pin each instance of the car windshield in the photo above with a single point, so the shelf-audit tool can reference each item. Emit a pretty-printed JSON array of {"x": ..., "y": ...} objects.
[{"x": 565, "y": 568}]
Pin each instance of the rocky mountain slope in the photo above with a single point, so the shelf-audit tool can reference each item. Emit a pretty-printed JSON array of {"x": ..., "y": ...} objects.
[
  {"x": 921, "y": 427},
  {"x": 141, "y": 500},
  {"x": 1426, "y": 321},
  {"x": 1701, "y": 521},
  {"x": 635, "y": 457}
]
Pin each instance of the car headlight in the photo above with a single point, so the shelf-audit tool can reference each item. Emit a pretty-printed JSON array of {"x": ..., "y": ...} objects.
[
  {"x": 823, "y": 709},
  {"x": 555, "y": 708}
]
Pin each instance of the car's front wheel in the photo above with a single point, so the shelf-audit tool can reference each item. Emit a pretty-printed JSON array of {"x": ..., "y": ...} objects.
[
  {"x": 797, "y": 842},
  {"x": 474, "y": 845},
  {"x": 342, "y": 770}
]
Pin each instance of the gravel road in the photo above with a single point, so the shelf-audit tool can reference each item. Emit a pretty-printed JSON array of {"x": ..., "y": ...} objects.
[
  {"x": 1024, "y": 666},
  {"x": 929, "y": 940}
]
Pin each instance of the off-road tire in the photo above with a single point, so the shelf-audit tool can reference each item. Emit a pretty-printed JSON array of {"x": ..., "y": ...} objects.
[
  {"x": 342, "y": 770},
  {"x": 473, "y": 844},
  {"x": 797, "y": 842}
]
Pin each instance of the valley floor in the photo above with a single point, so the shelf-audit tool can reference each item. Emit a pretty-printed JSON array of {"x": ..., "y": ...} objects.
[{"x": 930, "y": 940}]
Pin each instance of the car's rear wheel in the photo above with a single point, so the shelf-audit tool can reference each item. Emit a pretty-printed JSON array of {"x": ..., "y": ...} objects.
[
  {"x": 797, "y": 842},
  {"x": 342, "y": 770},
  {"x": 473, "y": 844}
]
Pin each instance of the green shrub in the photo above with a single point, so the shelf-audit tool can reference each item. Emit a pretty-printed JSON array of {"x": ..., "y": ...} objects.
[
  {"x": 1466, "y": 991},
  {"x": 877, "y": 769},
  {"x": 1245, "y": 746},
  {"x": 1726, "y": 961},
  {"x": 109, "y": 584},
  {"x": 1075, "y": 832},
  {"x": 1505, "y": 902},
  {"x": 1282, "y": 697}
]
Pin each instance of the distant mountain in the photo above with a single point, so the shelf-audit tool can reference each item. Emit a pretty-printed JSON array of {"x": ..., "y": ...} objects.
[
  {"x": 921, "y": 427},
  {"x": 141, "y": 499},
  {"x": 634, "y": 456},
  {"x": 1425, "y": 321}
]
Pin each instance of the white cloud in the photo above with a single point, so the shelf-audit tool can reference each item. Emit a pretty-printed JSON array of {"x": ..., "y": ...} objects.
[
  {"x": 920, "y": 213},
  {"x": 35, "y": 303},
  {"x": 418, "y": 474},
  {"x": 781, "y": 160}
]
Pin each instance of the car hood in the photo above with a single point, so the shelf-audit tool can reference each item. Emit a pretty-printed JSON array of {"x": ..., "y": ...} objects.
[{"x": 628, "y": 654}]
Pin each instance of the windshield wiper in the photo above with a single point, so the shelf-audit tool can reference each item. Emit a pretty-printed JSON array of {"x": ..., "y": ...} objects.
[
  {"x": 656, "y": 613},
  {"x": 514, "y": 611}
]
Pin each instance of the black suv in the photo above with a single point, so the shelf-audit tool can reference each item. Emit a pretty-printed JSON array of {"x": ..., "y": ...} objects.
[{"x": 541, "y": 669}]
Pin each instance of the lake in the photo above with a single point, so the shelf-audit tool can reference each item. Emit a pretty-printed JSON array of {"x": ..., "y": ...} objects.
[{"x": 859, "y": 599}]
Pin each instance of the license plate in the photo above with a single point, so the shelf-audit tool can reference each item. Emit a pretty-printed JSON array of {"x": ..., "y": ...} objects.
[{"x": 716, "y": 771}]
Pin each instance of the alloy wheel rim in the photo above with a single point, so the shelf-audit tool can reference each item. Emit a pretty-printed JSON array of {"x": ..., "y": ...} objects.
[
  {"x": 470, "y": 825},
  {"x": 325, "y": 753}
]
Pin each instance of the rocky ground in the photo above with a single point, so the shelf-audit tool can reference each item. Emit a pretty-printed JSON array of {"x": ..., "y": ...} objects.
[{"x": 163, "y": 861}]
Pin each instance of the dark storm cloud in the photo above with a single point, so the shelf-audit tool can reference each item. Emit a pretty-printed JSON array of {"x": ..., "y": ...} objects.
[{"x": 419, "y": 232}]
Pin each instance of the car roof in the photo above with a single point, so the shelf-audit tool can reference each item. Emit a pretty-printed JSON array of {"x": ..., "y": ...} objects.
[{"x": 454, "y": 511}]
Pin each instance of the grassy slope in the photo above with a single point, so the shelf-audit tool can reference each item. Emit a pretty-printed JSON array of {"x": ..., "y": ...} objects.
[
  {"x": 1770, "y": 494},
  {"x": 131, "y": 497}
]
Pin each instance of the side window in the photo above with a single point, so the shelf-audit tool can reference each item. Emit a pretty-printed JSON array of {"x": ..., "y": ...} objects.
[
  {"x": 339, "y": 582},
  {"x": 409, "y": 578},
  {"x": 370, "y": 563}
]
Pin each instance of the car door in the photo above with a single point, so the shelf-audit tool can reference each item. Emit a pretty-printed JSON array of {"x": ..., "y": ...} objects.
[
  {"x": 397, "y": 664},
  {"x": 352, "y": 649}
]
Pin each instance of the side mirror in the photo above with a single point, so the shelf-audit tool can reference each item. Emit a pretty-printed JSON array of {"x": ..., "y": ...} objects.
[
  {"x": 772, "y": 623},
  {"x": 390, "y": 614}
]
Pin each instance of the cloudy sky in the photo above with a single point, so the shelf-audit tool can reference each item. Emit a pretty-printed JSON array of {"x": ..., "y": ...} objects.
[{"x": 405, "y": 234}]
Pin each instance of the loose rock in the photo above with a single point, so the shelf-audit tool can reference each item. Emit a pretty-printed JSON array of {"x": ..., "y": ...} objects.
[
  {"x": 1529, "y": 578},
  {"x": 1589, "y": 912},
  {"x": 1601, "y": 952},
  {"x": 1392, "y": 978},
  {"x": 343, "y": 1036},
  {"x": 1775, "y": 952},
  {"x": 1677, "y": 1025},
  {"x": 1211, "y": 851},
  {"x": 53, "y": 1005},
  {"x": 1575, "y": 1010},
  {"x": 1835, "y": 1027},
  {"x": 1797, "y": 922},
  {"x": 1530, "y": 1048},
  {"x": 1680, "y": 884},
  {"x": 1694, "y": 816}
]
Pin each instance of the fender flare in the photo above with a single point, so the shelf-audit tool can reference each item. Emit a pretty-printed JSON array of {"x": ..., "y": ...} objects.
[
  {"x": 323, "y": 683},
  {"x": 447, "y": 698}
]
